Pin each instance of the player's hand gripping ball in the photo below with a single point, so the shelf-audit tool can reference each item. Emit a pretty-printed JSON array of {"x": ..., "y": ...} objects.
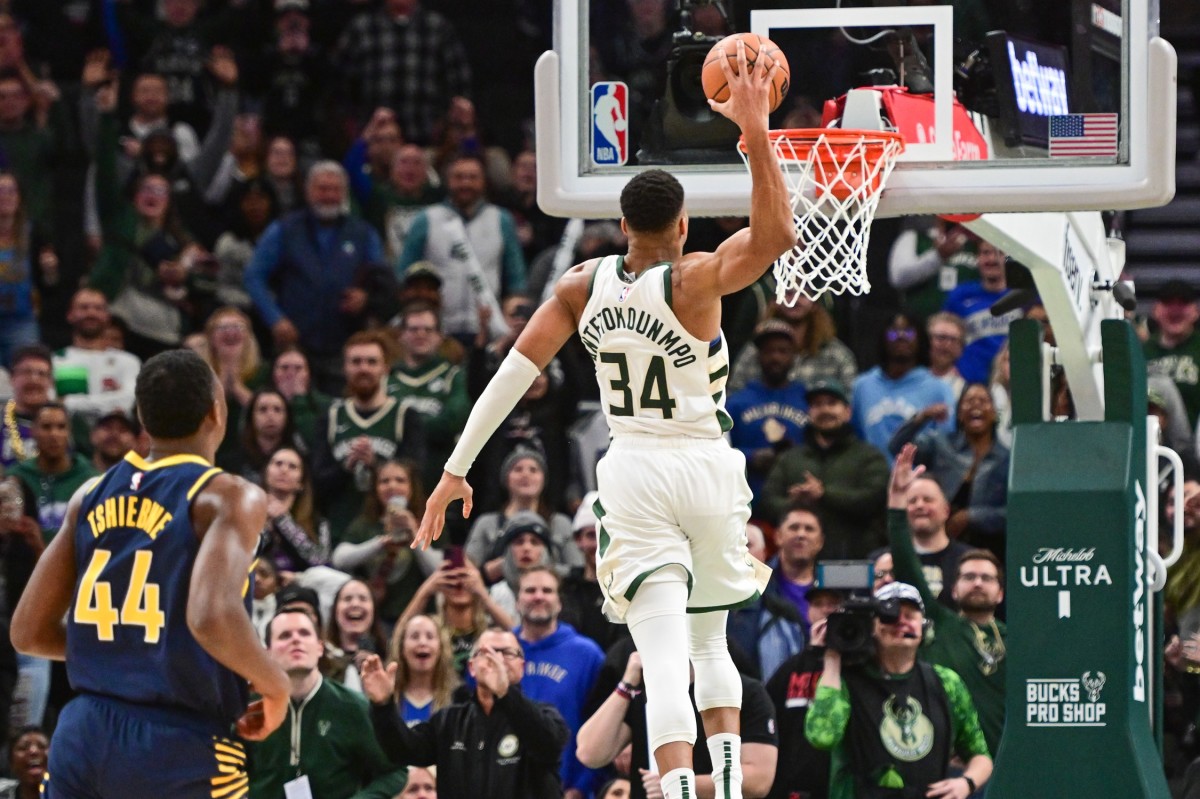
[{"x": 713, "y": 80}]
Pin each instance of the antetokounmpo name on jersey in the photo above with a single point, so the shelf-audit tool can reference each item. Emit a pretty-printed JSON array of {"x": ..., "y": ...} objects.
[{"x": 642, "y": 323}]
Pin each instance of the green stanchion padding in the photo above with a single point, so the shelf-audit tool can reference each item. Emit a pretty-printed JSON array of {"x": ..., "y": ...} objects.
[{"x": 1080, "y": 648}]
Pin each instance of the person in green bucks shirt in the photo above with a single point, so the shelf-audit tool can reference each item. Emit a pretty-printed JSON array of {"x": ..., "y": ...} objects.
[
  {"x": 55, "y": 472},
  {"x": 362, "y": 431},
  {"x": 325, "y": 748},
  {"x": 428, "y": 383},
  {"x": 1175, "y": 350},
  {"x": 893, "y": 722},
  {"x": 972, "y": 640}
]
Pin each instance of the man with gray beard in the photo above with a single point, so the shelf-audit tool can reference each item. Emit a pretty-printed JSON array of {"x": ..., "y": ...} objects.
[{"x": 318, "y": 273}]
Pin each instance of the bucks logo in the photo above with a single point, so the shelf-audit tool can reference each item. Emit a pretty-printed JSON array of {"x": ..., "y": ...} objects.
[
  {"x": 906, "y": 732},
  {"x": 1093, "y": 683},
  {"x": 508, "y": 746}
]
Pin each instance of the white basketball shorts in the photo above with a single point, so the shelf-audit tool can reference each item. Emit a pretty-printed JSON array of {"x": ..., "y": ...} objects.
[{"x": 675, "y": 500}]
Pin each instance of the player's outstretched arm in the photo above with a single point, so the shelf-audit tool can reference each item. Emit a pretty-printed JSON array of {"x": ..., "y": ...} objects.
[
  {"x": 38, "y": 624},
  {"x": 743, "y": 257},
  {"x": 230, "y": 514},
  {"x": 548, "y": 329}
]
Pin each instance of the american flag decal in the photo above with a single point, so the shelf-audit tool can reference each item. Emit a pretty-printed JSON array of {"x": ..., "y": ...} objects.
[{"x": 1075, "y": 135}]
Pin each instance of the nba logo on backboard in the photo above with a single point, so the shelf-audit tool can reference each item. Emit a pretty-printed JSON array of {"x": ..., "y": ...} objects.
[{"x": 610, "y": 139}]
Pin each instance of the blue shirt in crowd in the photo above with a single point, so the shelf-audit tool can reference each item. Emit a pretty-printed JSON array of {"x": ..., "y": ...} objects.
[{"x": 880, "y": 405}]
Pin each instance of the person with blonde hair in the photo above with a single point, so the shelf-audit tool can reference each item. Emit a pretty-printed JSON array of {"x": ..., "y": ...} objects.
[
  {"x": 421, "y": 784},
  {"x": 464, "y": 608},
  {"x": 233, "y": 354},
  {"x": 423, "y": 668}
]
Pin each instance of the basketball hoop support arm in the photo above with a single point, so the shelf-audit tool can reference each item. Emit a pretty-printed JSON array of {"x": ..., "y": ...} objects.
[{"x": 1074, "y": 266}]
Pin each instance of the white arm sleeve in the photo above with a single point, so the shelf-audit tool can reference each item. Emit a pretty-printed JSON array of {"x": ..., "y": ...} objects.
[{"x": 514, "y": 377}]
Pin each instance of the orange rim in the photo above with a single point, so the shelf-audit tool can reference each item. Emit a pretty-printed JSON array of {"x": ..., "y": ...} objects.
[{"x": 839, "y": 140}]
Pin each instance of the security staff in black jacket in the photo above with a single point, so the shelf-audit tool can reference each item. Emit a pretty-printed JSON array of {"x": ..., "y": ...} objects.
[{"x": 496, "y": 745}]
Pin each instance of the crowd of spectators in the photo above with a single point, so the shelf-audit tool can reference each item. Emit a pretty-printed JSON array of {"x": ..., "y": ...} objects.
[{"x": 333, "y": 202}]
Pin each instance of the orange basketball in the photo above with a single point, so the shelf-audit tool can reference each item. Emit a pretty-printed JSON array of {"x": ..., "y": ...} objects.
[{"x": 713, "y": 79}]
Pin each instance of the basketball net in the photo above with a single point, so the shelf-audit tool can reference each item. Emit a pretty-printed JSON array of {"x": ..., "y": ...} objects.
[{"x": 835, "y": 178}]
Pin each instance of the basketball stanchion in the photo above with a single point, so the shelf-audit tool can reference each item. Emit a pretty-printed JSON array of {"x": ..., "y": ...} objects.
[{"x": 835, "y": 178}]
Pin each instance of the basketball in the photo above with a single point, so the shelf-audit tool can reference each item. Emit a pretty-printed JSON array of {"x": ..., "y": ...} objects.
[{"x": 713, "y": 80}]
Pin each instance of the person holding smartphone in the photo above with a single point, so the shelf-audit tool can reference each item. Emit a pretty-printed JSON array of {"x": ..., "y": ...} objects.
[{"x": 375, "y": 547}]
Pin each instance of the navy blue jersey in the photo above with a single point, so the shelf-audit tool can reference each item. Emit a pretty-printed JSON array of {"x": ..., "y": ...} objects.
[{"x": 127, "y": 632}]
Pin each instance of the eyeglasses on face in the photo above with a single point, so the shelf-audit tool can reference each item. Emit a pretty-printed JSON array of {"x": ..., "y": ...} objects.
[
  {"x": 902, "y": 334},
  {"x": 971, "y": 577},
  {"x": 504, "y": 652},
  {"x": 949, "y": 337}
]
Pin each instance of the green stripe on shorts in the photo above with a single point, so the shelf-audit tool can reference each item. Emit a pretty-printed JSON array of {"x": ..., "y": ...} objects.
[
  {"x": 602, "y": 538},
  {"x": 731, "y": 606},
  {"x": 637, "y": 581}
]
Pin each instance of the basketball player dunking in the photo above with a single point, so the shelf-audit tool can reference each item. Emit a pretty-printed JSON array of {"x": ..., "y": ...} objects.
[
  {"x": 151, "y": 571},
  {"x": 673, "y": 495}
]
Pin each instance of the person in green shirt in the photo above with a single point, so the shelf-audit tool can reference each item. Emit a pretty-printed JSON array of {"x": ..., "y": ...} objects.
[
  {"x": 325, "y": 748},
  {"x": 291, "y": 376},
  {"x": 1175, "y": 351},
  {"x": 361, "y": 432},
  {"x": 893, "y": 722},
  {"x": 970, "y": 641},
  {"x": 929, "y": 259},
  {"x": 433, "y": 386},
  {"x": 55, "y": 473}
]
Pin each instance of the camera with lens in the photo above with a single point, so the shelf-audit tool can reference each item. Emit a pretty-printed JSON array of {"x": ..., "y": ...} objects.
[
  {"x": 851, "y": 630},
  {"x": 682, "y": 127}
]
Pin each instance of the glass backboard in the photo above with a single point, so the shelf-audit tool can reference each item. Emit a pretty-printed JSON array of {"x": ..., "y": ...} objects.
[{"x": 1070, "y": 106}]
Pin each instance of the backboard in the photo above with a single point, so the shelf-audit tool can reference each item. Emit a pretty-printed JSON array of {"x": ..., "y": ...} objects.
[{"x": 1068, "y": 108}]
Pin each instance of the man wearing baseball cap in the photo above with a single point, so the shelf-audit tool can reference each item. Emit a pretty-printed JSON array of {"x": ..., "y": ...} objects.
[
  {"x": 112, "y": 437},
  {"x": 895, "y": 721},
  {"x": 769, "y": 414},
  {"x": 1175, "y": 349},
  {"x": 835, "y": 472}
]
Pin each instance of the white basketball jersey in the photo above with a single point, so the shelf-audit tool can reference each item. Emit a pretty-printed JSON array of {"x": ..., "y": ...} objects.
[{"x": 655, "y": 377}]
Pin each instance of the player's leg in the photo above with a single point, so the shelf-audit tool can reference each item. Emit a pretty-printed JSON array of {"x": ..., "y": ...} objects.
[
  {"x": 79, "y": 743},
  {"x": 107, "y": 749},
  {"x": 657, "y": 621},
  {"x": 718, "y": 698},
  {"x": 714, "y": 518},
  {"x": 644, "y": 566},
  {"x": 198, "y": 764}
]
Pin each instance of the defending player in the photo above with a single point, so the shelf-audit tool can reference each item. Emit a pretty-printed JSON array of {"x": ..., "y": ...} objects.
[
  {"x": 151, "y": 570},
  {"x": 673, "y": 495}
]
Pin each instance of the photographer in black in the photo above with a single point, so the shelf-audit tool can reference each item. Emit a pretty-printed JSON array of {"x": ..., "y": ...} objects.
[{"x": 892, "y": 721}]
